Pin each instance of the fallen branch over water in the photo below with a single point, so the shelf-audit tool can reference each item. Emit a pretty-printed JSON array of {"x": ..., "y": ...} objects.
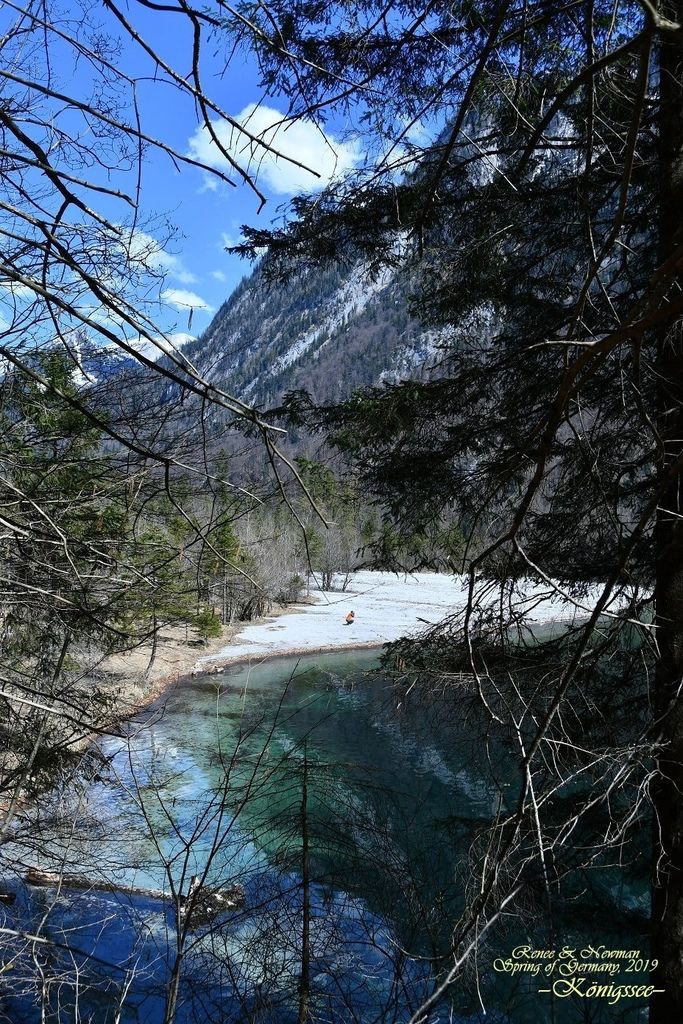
[
  {"x": 53, "y": 879},
  {"x": 202, "y": 903}
]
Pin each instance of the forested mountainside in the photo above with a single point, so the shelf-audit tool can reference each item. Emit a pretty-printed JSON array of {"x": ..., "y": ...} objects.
[{"x": 328, "y": 330}]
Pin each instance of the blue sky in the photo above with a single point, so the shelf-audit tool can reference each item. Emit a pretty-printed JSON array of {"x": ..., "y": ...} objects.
[
  {"x": 205, "y": 212},
  {"x": 186, "y": 215}
]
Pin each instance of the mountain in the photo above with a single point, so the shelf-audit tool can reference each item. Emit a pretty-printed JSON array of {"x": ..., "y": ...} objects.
[{"x": 329, "y": 331}]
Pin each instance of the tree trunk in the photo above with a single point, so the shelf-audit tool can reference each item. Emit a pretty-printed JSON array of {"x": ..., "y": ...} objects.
[
  {"x": 155, "y": 640},
  {"x": 667, "y": 894},
  {"x": 305, "y": 977},
  {"x": 173, "y": 989}
]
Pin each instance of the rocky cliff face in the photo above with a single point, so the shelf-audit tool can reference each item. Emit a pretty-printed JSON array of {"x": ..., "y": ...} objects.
[{"x": 329, "y": 331}]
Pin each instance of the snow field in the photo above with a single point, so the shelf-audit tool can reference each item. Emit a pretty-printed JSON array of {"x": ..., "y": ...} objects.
[{"x": 387, "y": 607}]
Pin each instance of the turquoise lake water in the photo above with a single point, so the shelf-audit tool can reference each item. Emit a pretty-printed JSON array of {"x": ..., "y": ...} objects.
[{"x": 224, "y": 781}]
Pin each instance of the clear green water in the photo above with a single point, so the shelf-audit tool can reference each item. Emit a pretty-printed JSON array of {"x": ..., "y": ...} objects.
[{"x": 212, "y": 784}]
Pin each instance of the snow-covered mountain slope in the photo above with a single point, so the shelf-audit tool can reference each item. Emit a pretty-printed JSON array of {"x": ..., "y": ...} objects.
[{"x": 329, "y": 331}]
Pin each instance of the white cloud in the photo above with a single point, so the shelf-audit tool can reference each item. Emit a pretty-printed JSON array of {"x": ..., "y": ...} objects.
[
  {"x": 209, "y": 184},
  {"x": 301, "y": 141},
  {"x": 219, "y": 276},
  {"x": 183, "y": 276},
  {"x": 183, "y": 299},
  {"x": 228, "y": 240},
  {"x": 145, "y": 249},
  {"x": 16, "y": 290},
  {"x": 155, "y": 348}
]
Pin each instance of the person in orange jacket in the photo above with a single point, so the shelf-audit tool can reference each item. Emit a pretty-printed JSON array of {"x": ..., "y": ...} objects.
[{"x": 350, "y": 617}]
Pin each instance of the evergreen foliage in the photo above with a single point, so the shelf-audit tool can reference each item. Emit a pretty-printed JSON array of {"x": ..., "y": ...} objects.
[{"x": 526, "y": 159}]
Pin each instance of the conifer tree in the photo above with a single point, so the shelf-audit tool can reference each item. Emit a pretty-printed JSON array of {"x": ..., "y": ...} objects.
[{"x": 525, "y": 158}]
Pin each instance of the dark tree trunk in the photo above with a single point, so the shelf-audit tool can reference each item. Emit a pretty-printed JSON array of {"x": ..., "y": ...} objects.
[
  {"x": 155, "y": 643},
  {"x": 667, "y": 901},
  {"x": 305, "y": 977}
]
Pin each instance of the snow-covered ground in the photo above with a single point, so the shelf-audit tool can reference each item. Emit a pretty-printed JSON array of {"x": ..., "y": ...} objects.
[{"x": 387, "y": 607}]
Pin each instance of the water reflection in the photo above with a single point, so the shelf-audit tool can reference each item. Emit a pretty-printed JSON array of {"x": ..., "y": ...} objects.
[{"x": 343, "y": 822}]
